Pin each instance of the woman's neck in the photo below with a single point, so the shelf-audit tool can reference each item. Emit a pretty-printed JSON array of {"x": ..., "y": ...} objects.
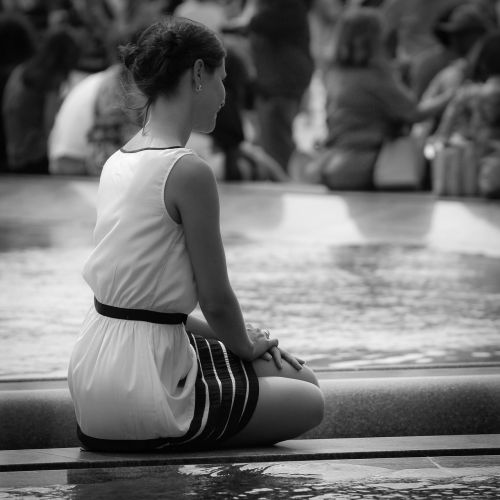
[{"x": 168, "y": 123}]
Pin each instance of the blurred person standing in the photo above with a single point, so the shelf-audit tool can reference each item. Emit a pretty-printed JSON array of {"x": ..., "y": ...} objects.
[
  {"x": 228, "y": 133},
  {"x": 17, "y": 40},
  {"x": 366, "y": 103},
  {"x": 323, "y": 18},
  {"x": 280, "y": 46},
  {"x": 31, "y": 98},
  {"x": 229, "y": 141}
]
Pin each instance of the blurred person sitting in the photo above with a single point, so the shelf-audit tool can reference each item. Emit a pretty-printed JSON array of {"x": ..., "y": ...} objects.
[
  {"x": 431, "y": 60},
  {"x": 17, "y": 42},
  {"x": 366, "y": 103},
  {"x": 68, "y": 146},
  {"x": 101, "y": 112},
  {"x": 31, "y": 99},
  {"x": 94, "y": 120},
  {"x": 116, "y": 118},
  {"x": 410, "y": 24},
  {"x": 473, "y": 116},
  {"x": 463, "y": 29}
]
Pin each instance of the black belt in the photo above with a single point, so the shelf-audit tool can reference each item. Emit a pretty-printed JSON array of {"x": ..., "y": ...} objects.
[{"x": 140, "y": 314}]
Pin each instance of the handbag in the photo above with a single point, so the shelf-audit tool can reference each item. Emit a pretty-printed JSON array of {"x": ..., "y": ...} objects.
[
  {"x": 400, "y": 164},
  {"x": 455, "y": 170}
]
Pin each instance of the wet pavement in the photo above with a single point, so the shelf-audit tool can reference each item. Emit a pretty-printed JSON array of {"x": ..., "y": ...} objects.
[
  {"x": 348, "y": 280},
  {"x": 385, "y": 478}
]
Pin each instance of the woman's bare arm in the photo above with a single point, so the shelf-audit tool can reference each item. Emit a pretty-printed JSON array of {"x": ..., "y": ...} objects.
[{"x": 192, "y": 191}]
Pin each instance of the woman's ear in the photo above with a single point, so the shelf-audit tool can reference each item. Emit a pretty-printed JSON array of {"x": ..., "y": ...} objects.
[{"x": 198, "y": 70}]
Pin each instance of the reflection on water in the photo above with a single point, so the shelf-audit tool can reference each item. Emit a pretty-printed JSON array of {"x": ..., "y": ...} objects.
[
  {"x": 353, "y": 306},
  {"x": 270, "y": 481},
  {"x": 340, "y": 307}
]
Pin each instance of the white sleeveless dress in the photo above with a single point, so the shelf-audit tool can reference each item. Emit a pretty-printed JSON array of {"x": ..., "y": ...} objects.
[{"x": 136, "y": 381}]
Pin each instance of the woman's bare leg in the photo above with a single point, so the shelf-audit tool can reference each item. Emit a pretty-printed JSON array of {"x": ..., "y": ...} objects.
[{"x": 290, "y": 403}]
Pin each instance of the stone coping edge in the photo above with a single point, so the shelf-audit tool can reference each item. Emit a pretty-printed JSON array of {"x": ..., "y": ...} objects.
[
  {"x": 293, "y": 450},
  {"x": 322, "y": 373},
  {"x": 355, "y": 408}
]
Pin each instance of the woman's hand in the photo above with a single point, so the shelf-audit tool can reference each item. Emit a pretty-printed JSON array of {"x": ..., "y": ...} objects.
[
  {"x": 278, "y": 354},
  {"x": 275, "y": 353},
  {"x": 261, "y": 341}
]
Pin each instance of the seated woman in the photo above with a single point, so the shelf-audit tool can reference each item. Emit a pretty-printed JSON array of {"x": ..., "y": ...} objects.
[
  {"x": 366, "y": 104},
  {"x": 143, "y": 374}
]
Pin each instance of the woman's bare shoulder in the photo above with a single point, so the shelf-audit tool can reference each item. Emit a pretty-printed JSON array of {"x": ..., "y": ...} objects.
[
  {"x": 192, "y": 172},
  {"x": 191, "y": 166}
]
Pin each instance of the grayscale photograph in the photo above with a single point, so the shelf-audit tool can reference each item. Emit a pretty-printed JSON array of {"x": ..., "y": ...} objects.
[{"x": 250, "y": 249}]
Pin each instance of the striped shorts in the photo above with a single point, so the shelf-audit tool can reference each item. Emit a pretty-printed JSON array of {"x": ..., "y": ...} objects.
[{"x": 226, "y": 393}]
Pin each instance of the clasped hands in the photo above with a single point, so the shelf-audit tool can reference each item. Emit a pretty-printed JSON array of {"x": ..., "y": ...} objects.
[{"x": 275, "y": 353}]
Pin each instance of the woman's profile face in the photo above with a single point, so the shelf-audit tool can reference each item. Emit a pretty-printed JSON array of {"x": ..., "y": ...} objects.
[{"x": 210, "y": 99}]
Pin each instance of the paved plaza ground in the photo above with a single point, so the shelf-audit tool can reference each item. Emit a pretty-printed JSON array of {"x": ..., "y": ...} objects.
[{"x": 350, "y": 280}]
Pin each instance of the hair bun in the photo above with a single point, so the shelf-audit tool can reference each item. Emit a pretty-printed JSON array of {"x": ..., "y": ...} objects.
[
  {"x": 129, "y": 54},
  {"x": 170, "y": 44},
  {"x": 162, "y": 53}
]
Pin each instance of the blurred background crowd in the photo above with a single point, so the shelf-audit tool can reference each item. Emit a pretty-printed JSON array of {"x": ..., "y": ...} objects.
[{"x": 352, "y": 94}]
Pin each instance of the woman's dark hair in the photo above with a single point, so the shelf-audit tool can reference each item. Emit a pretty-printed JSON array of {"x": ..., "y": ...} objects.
[
  {"x": 166, "y": 50},
  {"x": 359, "y": 40}
]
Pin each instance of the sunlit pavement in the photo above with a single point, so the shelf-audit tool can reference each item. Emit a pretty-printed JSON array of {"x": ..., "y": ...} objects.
[{"x": 349, "y": 280}]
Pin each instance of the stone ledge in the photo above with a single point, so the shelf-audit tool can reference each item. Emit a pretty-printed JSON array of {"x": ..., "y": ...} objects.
[
  {"x": 355, "y": 408},
  {"x": 296, "y": 449},
  {"x": 410, "y": 406}
]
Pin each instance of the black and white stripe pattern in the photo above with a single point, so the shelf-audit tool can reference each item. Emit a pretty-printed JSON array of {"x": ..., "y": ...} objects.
[
  {"x": 226, "y": 393},
  {"x": 226, "y": 389}
]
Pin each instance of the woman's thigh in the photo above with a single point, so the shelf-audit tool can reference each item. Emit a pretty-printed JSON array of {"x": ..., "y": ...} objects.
[
  {"x": 265, "y": 368},
  {"x": 286, "y": 408}
]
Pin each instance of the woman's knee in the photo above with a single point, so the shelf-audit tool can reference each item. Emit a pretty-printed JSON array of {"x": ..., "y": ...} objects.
[
  {"x": 301, "y": 404},
  {"x": 314, "y": 400},
  {"x": 288, "y": 397},
  {"x": 309, "y": 376},
  {"x": 286, "y": 409}
]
